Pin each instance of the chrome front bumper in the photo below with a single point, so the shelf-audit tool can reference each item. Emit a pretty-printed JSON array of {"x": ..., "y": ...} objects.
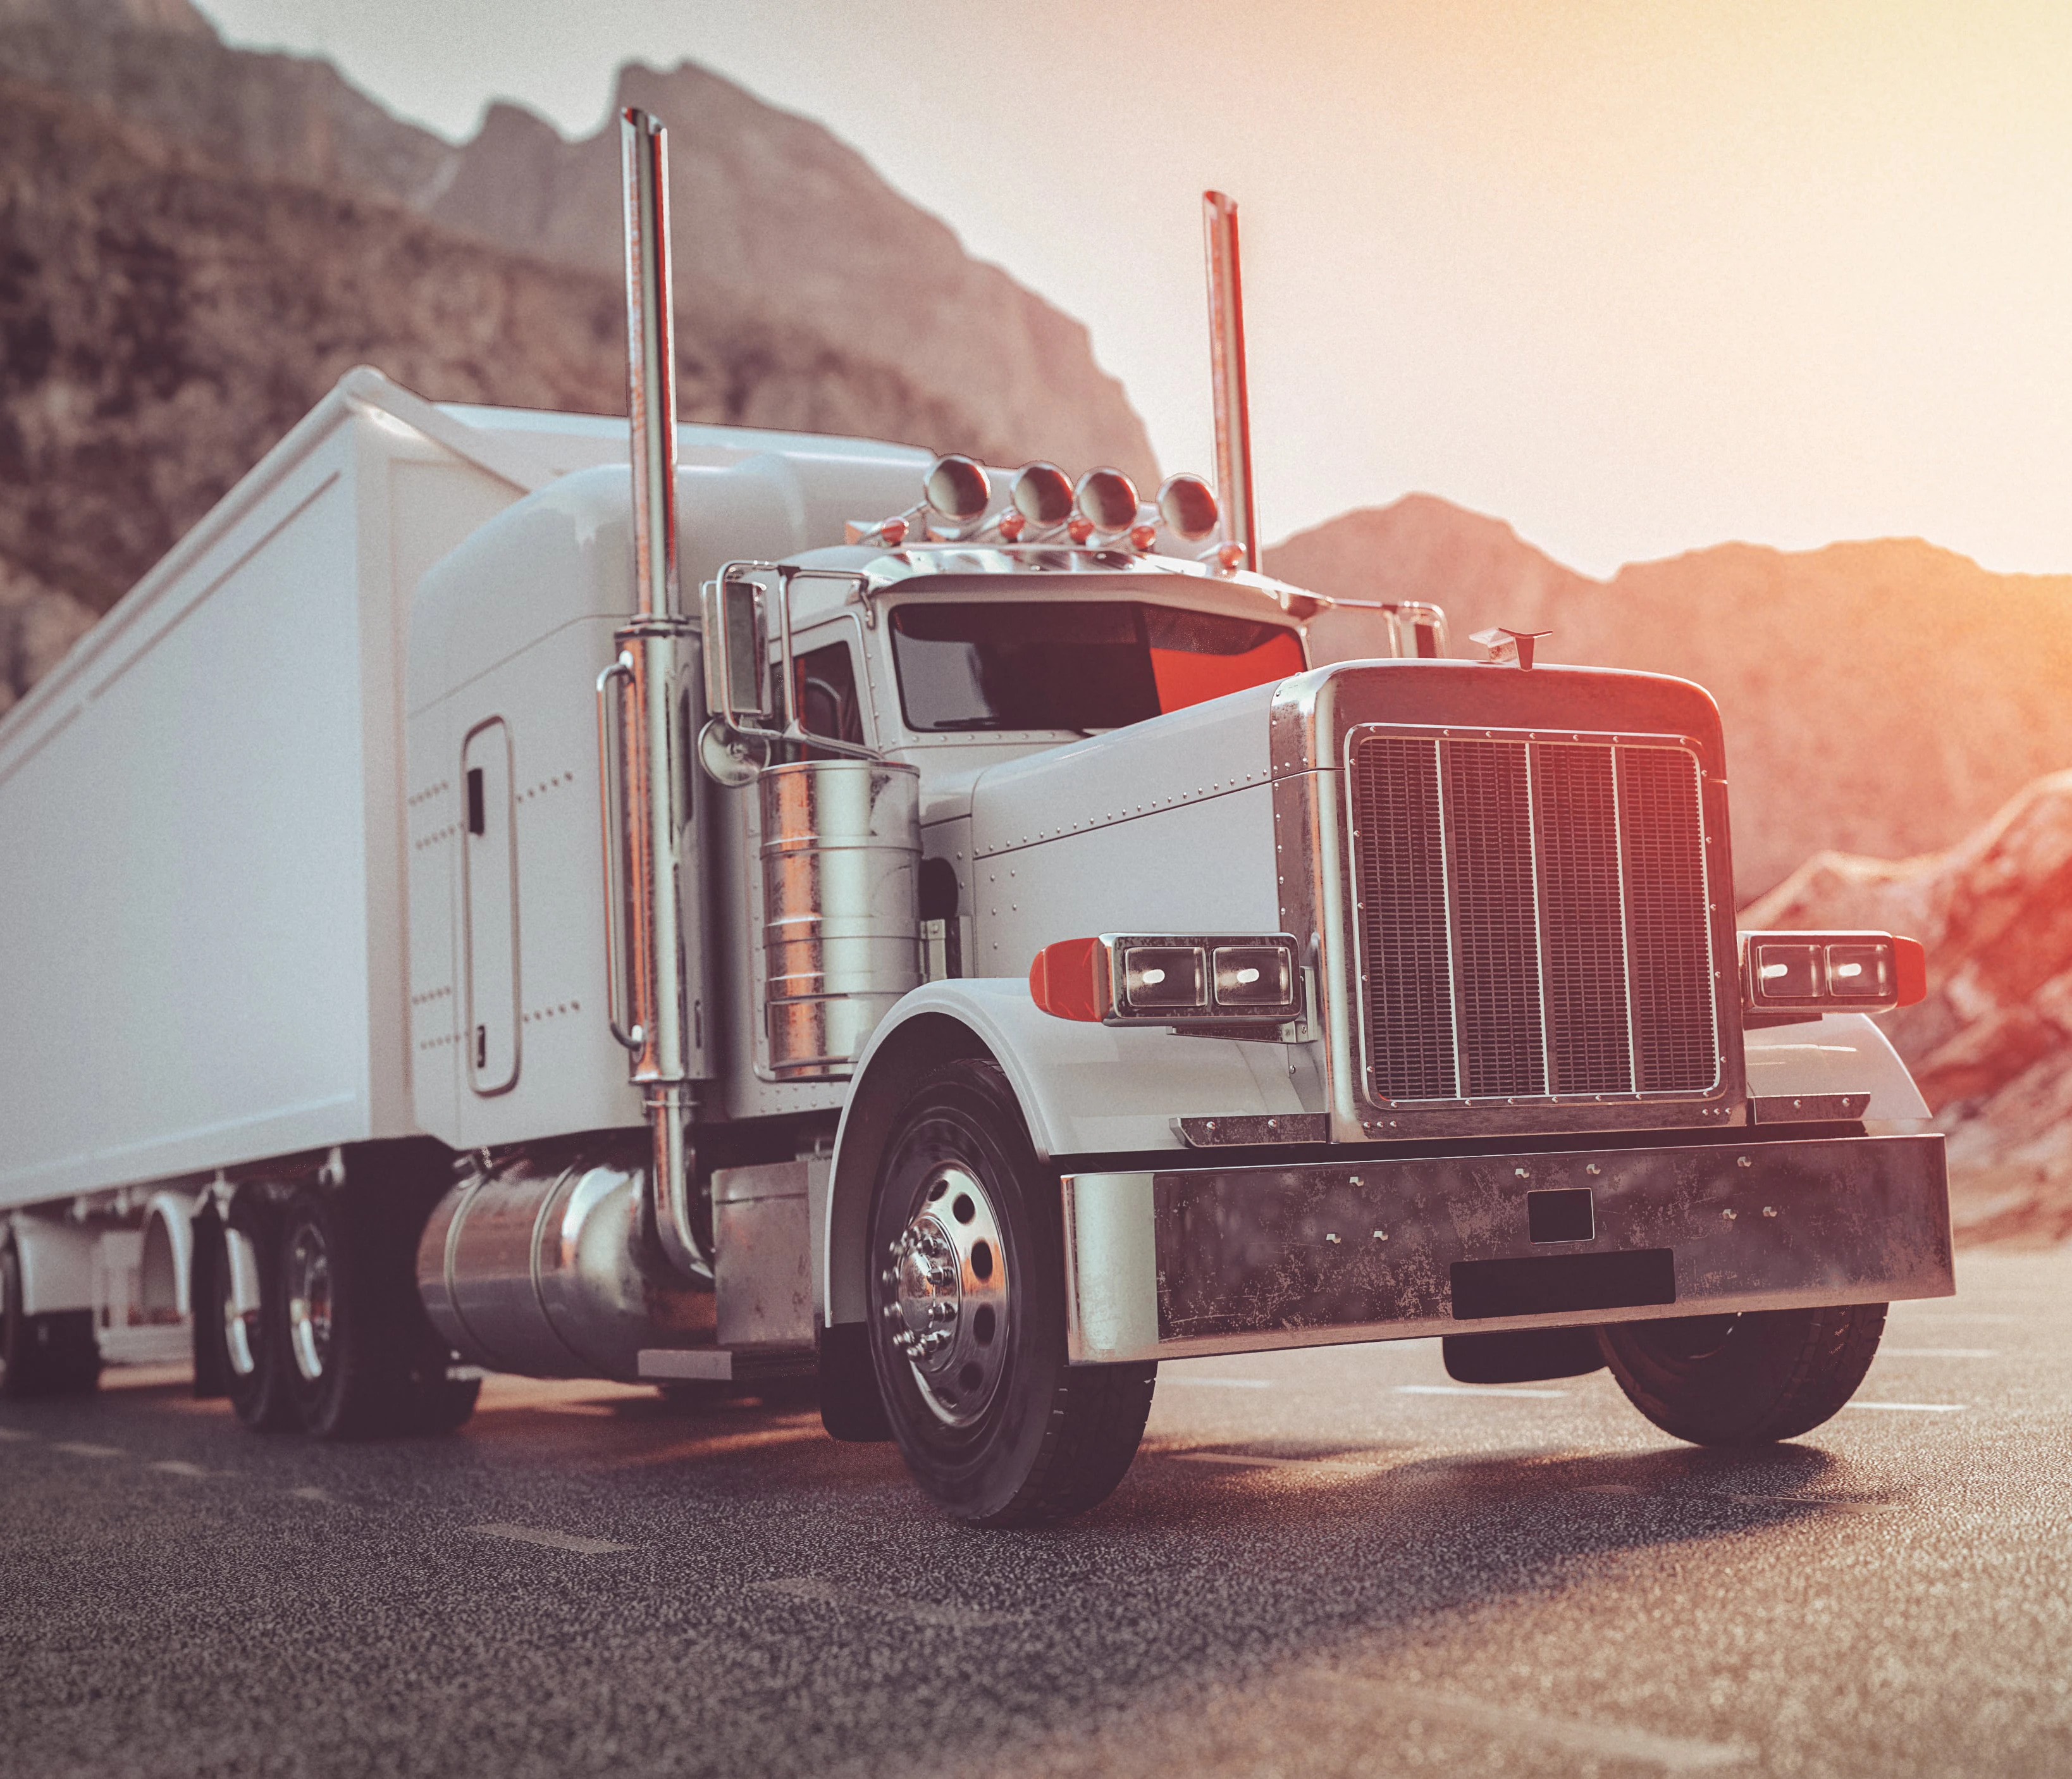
[{"x": 1166, "y": 1265}]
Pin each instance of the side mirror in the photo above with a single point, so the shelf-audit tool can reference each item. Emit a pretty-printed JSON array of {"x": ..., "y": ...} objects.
[{"x": 736, "y": 652}]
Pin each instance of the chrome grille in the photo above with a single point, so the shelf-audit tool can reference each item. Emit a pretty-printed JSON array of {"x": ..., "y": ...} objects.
[{"x": 1531, "y": 918}]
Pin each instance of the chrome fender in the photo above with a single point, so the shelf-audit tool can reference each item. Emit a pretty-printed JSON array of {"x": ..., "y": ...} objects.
[{"x": 1837, "y": 1053}]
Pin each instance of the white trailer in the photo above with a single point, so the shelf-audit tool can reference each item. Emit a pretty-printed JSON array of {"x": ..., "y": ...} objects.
[{"x": 1009, "y": 962}]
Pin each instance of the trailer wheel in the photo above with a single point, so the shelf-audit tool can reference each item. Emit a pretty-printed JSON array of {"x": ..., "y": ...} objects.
[
  {"x": 361, "y": 1358},
  {"x": 968, "y": 1316},
  {"x": 242, "y": 1320},
  {"x": 343, "y": 1372},
  {"x": 52, "y": 1354},
  {"x": 1743, "y": 1380}
]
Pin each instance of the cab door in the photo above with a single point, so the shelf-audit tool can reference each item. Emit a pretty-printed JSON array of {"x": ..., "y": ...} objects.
[{"x": 490, "y": 901}]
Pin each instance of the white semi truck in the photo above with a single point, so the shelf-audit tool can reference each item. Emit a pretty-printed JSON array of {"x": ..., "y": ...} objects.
[{"x": 1009, "y": 962}]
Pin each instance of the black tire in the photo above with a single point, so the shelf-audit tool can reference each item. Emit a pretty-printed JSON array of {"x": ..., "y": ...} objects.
[
  {"x": 994, "y": 1425},
  {"x": 851, "y": 1408},
  {"x": 362, "y": 1360},
  {"x": 344, "y": 1373},
  {"x": 52, "y": 1354},
  {"x": 438, "y": 1405},
  {"x": 205, "y": 1267},
  {"x": 1743, "y": 1380},
  {"x": 249, "y": 1351}
]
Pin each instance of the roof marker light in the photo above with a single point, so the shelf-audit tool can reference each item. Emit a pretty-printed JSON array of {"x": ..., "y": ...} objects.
[
  {"x": 1042, "y": 494},
  {"x": 1188, "y": 506},
  {"x": 1107, "y": 499},
  {"x": 958, "y": 489}
]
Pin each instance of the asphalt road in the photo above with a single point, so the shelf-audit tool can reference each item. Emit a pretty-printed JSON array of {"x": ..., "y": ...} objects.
[{"x": 1328, "y": 1563}]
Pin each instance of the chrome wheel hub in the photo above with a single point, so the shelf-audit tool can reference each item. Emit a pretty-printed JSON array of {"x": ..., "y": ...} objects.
[
  {"x": 944, "y": 1295},
  {"x": 309, "y": 1302}
]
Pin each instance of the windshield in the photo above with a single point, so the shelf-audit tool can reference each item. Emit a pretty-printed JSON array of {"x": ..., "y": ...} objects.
[{"x": 1059, "y": 666}]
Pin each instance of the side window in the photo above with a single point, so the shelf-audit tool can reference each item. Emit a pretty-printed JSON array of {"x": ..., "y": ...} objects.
[{"x": 824, "y": 691}]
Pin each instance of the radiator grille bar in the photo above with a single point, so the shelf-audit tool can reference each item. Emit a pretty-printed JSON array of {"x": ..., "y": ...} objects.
[
  {"x": 1402, "y": 889},
  {"x": 1532, "y": 920}
]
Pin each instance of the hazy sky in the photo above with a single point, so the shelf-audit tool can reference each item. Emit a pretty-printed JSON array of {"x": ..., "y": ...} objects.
[{"x": 1638, "y": 278}]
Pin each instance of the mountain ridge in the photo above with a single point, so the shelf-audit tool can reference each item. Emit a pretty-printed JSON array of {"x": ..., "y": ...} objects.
[
  {"x": 196, "y": 240},
  {"x": 1880, "y": 696}
]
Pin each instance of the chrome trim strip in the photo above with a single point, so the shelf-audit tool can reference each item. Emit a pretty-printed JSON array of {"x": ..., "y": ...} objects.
[
  {"x": 1626, "y": 921},
  {"x": 1539, "y": 926}
]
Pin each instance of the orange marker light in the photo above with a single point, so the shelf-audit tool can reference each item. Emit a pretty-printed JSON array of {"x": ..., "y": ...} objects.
[
  {"x": 1069, "y": 980},
  {"x": 1910, "y": 969}
]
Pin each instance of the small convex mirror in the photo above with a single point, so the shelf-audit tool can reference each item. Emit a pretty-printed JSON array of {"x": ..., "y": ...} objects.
[{"x": 737, "y": 651}]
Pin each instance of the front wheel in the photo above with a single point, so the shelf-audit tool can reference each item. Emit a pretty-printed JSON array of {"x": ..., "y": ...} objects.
[
  {"x": 1743, "y": 1380},
  {"x": 967, "y": 1317}
]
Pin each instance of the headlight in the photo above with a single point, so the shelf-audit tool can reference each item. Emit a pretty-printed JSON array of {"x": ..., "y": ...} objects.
[
  {"x": 1233, "y": 983},
  {"x": 1788, "y": 976}
]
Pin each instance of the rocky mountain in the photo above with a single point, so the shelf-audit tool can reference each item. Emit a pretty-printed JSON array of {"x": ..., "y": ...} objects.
[
  {"x": 1881, "y": 698},
  {"x": 195, "y": 240},
  {"x": 1991, "y": 1046}
]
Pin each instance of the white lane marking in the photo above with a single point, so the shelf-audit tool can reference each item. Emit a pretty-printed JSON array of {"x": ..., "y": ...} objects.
[
  {"x": 1222, "y": 1383},
  {"x": 310, "y": 1494},
  {"x": 1938, "y": 1353},
  {"x": 1913, "y": 1408},
  {"x": 179, "y": 1467},
  {"x": 1610, "y": 1741},
  {"x": 594, "y": 1409},
  {"x": 1265, "y": 1461},
  {"x": 1469, "y": 1389},
  {"x": 553, "y": 1541},
  {"x": 921, "y": 1612},
  {"x": 80, "y": 1448},
  {"x": 1958, "y": 1318},
  {"x": 14, "y": 1433}
]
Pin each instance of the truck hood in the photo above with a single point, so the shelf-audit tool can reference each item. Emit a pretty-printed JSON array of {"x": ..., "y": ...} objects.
[
  {"x": 1208, "y": 749},
  {"x": 1296, "y": 725}
]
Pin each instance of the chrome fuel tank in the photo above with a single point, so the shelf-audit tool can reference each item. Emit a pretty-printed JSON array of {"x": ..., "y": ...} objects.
[
  {"x": 554, "y": 1272},
  {"x": 841, "y": 856}
]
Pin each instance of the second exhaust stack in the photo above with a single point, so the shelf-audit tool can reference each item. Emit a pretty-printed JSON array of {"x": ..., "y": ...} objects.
[{"x": 1226, "y": 361}]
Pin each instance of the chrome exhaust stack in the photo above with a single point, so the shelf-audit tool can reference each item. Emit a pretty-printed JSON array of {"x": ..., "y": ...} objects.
[
  {"x": 1234, "y": 486},
  {"x": 650, "y": 854}
]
